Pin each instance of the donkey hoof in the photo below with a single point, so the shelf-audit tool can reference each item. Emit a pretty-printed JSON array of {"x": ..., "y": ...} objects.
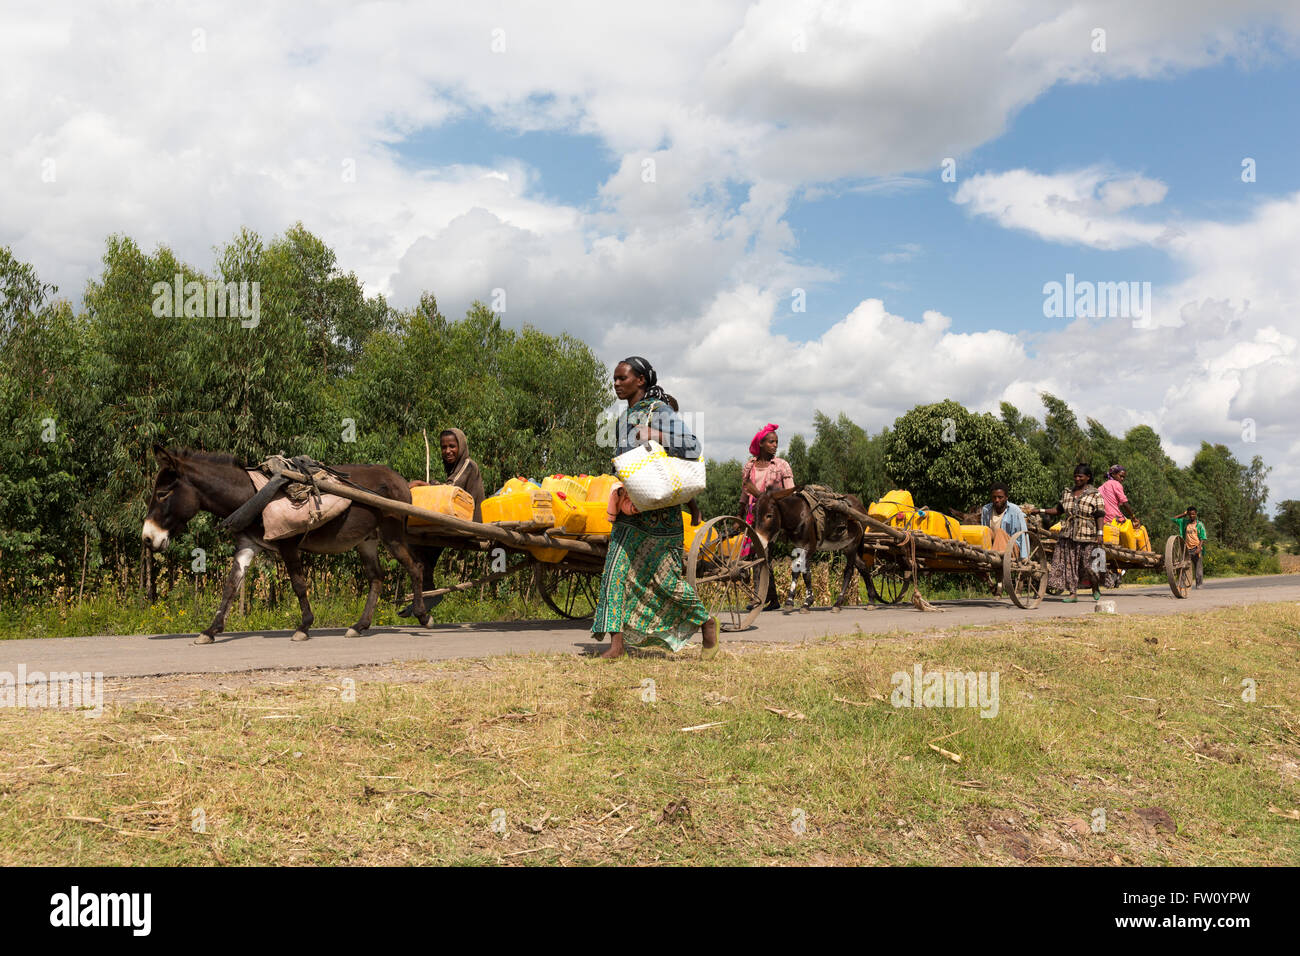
[
  {"x": 300, "y": 636},
  {"x": 352, "y": 632},
  {"x": 835, "y": 609},
  {"x": 204, "y": 639},
  {"x": 424, "y": 620},
  {"x": 805, "y": 609}
]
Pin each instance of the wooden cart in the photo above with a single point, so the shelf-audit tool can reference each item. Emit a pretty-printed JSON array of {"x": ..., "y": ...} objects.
[
  {"x": 729, "y": 578},
  {"x": 1175, "y": 562},
  {"x": 893, "y": 560}
]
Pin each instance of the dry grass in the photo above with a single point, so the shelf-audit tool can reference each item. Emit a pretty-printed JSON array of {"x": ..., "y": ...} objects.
[{"x": 1140, "y": 717}]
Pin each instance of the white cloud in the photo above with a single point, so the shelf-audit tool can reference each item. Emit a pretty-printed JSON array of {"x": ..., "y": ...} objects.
[
  {"x": 1074, "y": 207},
  {"x": 167, "y": 143}
]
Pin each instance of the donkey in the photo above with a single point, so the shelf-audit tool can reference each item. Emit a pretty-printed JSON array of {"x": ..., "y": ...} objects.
[
  {"x": 782, "y": 510},
  {"x": 193, "y": 481}
]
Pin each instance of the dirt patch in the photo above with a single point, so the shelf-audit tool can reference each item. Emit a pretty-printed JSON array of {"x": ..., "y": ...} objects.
[
  {"x": 1156, "y": 820},
  {"x": 174, "y": 688}
]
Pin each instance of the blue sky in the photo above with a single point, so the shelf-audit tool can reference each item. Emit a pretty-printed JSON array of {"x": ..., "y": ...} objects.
[
  {"x": 1118, "y": 165},
  {"x": 1190, "y": 130}
]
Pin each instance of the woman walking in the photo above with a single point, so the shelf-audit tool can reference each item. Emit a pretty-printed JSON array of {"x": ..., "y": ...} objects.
[
  {"x": 644, "y": 597},
  {"x": 762, "y": 471},
  {"x": 1083, "y": 514}
]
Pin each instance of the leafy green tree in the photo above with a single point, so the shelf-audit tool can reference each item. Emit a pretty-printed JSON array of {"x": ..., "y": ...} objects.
[
  {"x": 796, "y": 453},
  {"x": 1287, "y": 520},
  {"x": 1024, "y": 427},
  {"x": 844, "y": 457},
  {"x": 529, "y": 403},
  {"x": 1153, "y": 480},
  {"x": 1062, "y": 443},
  {"x": 1228, "y": 495},
  {"x": 947, "y": 457},
  {"x": 45, "y": 528},
  {"x": 722, "y": 489}
]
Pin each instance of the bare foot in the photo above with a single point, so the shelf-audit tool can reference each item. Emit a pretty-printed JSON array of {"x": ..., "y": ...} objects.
[
  {"x": 709, "y": 639},
  {"x": 615, "y": 648}
]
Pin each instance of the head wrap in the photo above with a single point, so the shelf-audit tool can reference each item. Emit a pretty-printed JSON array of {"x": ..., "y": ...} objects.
[
  {"x": 644, "y": 370},
  {"x": 456, "y": 468},
  {"x": 758, "y": 439},
  {"x": 1114, "y": 470}
]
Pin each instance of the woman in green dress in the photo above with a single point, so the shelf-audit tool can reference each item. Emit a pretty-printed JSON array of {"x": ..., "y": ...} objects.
[{"x": 644, "y": 596}]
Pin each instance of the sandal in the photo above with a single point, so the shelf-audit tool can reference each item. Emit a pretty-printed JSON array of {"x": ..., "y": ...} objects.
[{"x": 1069, "y": 600}]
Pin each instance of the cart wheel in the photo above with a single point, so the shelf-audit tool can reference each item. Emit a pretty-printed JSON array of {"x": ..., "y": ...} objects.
[
  {"x": 887, "y": 582},
  {"x": 1024, "y": 581},
  {"x": 472, "y": 566},
  {"x": 732, "y": 585},
  {"x": 1178, "y": 566},
  {"x": 570, "y": 592}
]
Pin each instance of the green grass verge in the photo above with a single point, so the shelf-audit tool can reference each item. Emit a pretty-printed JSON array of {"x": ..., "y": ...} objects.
[{"x": 1137, "y": 722}]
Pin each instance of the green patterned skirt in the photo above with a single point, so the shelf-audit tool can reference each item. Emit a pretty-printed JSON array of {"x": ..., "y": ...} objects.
[{"x": 643, "y": 592}]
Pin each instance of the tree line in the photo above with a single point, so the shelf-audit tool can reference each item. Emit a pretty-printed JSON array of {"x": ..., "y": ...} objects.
[
  {"x": 333, "y": 373},
  {"x": 947, "y": 456},
  {"x": 325, "y": 371}
]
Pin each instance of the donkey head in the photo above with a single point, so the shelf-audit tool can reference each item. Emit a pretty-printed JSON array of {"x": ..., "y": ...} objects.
[
  {"x": 175, "y": 500},
  {"x": 767, "y": 514}
]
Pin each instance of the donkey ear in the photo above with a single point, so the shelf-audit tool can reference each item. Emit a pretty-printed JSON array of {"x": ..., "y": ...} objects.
[
  {"x": 784, "y": 493},
  {"x": 165, "y": 458}
]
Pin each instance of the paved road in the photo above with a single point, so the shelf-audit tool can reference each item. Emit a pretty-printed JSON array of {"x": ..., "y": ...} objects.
[{"x": 157, "y": 654}]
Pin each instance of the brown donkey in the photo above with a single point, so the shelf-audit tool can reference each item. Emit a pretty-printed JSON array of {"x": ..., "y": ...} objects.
[
  {"x": 785, "y": 511},
  {"x": 193, "y": 481}
]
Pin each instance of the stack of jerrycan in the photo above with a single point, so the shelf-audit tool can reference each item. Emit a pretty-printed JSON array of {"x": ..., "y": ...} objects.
[
  {"x": 897, "y": 510},
  {"x": 1125, "y": 535},
  {"x": 890, "y": 505},
  {"x": 519, "y": 500},
  {"x": 566, "y": 496}
]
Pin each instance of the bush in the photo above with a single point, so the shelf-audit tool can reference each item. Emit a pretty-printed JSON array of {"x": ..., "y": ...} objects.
[{"x": 1225, "y": 562}]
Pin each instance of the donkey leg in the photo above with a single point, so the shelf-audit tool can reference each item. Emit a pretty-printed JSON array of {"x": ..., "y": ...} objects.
[
  {"x": 369, "y": 551},
  {"x": 298, "y": 578},
  {"x": 794, "y": 582},
  {"x": 421, "y": 572},
  {"x": 244, "y": 553},
  {"x": 808, "y": 592},
  {"x": 849, "y": 572}
]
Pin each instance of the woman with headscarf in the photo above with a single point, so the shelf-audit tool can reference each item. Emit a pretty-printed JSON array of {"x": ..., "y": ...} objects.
[
  {"x": 1083, "y": 515},
  {"x": 762, "y": 471},
  {"x": 644, "y": 597},
  {"x": 462, "y": 471},
  {"x": 1112, "y": 492}
]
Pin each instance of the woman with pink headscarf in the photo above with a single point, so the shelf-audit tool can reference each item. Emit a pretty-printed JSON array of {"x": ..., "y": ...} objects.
[{"x": 763, "y": 471}]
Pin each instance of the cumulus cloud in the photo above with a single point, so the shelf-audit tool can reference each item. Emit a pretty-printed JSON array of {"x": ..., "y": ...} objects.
[
  {"x": 1073, "y": 207},
  {"x": 181, "y": 124}
]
